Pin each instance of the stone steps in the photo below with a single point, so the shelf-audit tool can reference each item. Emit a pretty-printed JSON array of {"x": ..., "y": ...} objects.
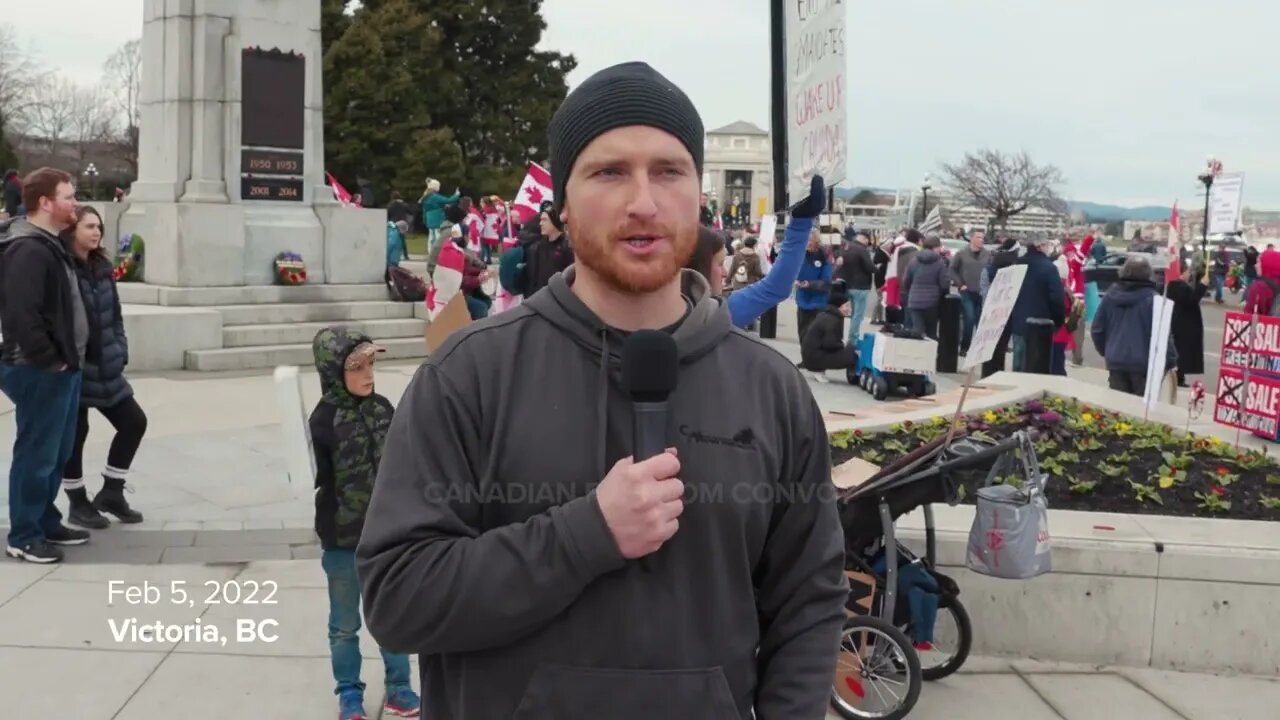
[
  {"x": 143, "y": 294},
  {"x": 292, "y": 333},
  {"x": 269, "y": 356},
  {"x": 236, "y": 315}
]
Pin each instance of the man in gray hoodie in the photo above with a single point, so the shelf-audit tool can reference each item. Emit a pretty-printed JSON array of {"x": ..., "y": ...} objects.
[{"x": 512, "y": 542}]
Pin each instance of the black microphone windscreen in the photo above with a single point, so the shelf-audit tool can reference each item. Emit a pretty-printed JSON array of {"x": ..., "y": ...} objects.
[{"x": 650, "y": 364}]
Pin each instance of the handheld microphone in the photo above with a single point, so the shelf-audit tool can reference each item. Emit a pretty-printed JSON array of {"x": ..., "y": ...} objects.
[{"x": 650, "y": 364}]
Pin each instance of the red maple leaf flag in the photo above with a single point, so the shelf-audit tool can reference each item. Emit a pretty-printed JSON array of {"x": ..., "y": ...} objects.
[
  {"x": 1174, "y": 271},
  {"x": 535, "y": 190}
]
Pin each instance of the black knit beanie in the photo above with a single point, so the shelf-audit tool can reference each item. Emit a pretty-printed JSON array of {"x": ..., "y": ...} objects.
[{"x": 628, "y": 94}]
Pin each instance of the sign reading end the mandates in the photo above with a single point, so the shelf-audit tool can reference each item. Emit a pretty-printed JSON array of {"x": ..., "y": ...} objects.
[{"x": 817, "y": 65}]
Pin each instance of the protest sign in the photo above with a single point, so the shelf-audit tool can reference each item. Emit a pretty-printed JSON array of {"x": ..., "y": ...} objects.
[
  {"x": 1225, "y": 203},
  {"x": 996, "y": 309},
  {"x": 817, "y": 130},
  {"x": 1157, "y": 349},
  {"x": 1262, "y": 355},
  {"x": 1254, "y": 406},
  {"x": 768, "y": 236}
]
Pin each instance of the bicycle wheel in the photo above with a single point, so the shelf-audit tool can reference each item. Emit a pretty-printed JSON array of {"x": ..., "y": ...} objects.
[
  {"x": 877, "y": 672},
  {"x": 952, "y": 640}
]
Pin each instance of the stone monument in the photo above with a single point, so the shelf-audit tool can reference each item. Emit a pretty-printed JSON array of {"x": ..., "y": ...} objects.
[{"x": 231, "y": 150}]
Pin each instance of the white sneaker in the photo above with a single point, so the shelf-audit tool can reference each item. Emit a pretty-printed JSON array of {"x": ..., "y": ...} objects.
[{"x": 821, "y": 377}]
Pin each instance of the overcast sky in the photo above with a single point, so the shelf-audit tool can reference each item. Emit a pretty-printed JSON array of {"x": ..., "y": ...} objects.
[{"x": 1126, "y": 96}]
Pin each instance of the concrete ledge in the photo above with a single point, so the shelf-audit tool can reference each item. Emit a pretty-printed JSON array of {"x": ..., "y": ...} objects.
[
  {"x": 1121, "y": 596},
  {"x": 159, "y": 337},
  {"x": 141, "y": 293},
  {"x": 1140, "y": 590}
]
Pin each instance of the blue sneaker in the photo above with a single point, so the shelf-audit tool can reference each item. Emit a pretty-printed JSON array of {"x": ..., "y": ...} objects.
[
  {"x": 351, "y": 707},
  {"x": 402, "y": 703}
]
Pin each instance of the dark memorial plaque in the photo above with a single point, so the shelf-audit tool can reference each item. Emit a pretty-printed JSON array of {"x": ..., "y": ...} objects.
[
  {"x": 270, "y": 188},
  {"x": 273, "y": 98},
  {"x": 270, "y": 162}
]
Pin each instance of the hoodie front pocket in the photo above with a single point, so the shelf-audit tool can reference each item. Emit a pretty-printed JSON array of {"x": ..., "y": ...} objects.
[{"x": 558, "y": 692}]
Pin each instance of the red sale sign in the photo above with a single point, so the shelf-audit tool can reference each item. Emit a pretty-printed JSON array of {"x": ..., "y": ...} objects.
[
  {"x": 1254, "y": 407},
  {"x": 1258, "y": 348}
]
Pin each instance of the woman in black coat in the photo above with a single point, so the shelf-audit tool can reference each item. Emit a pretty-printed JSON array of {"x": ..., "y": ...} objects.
[
  {"x": 104, "y": 385},
  {"x": 1188, "y": 324}
]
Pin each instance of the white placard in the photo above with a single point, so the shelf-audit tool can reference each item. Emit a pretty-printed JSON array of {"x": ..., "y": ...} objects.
[
  {"x": 817, "y": 64},
  {"x": 996, "y": 309},
  {"x": 1161, "y": 323},
  {"x": 1225, "y": 202},
  {"x": 294, "y": 423},
  {"x": 768, "y": 235}
]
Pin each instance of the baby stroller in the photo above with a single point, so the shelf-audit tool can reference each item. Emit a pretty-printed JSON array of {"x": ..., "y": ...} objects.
[{"x": 882, "y": 658}]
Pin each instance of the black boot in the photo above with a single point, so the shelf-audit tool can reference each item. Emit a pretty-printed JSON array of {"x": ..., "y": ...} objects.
[
  {"x": 111, "y": 500},
  {"x": 82, "y": 511}
]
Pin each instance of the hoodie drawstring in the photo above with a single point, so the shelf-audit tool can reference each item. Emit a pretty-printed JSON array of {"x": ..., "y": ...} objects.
[{"x": 602, "y": 404}]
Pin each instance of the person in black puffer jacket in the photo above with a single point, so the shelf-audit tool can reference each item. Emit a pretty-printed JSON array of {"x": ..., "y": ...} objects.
[
  {"x": 823, "y": 348},
  {"x": 104, "y": 386}
]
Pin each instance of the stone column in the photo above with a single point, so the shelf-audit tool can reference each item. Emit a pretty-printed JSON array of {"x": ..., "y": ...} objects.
[
  {"x": 207, "y": 182},
  {"x": 164, "y": 101}
]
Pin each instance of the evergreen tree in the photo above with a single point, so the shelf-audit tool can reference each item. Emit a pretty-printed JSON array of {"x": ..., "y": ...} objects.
[
  {"x": 450, "y": 89},
  {"x": 376, "y": 110}
]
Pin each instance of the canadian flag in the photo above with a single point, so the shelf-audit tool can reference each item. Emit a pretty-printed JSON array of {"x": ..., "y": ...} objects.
[
  {"x": 1175, "y": 247},
  {"x": 535, "y": 190},
  {"x": 339, "y": 193},
  {"x": 446, "y": 281}
]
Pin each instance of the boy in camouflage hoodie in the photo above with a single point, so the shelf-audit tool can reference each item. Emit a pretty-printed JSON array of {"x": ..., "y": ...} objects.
[{"x": 348, "y": 428}]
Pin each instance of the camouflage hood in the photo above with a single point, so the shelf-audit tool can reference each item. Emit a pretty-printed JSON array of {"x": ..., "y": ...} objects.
[
  {"x": 359, "y": 430},
  {"x": 331, "y": 347}
]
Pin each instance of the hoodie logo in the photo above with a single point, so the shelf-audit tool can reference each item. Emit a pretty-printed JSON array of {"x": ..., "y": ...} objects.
[{"x": 744, "y": 439}]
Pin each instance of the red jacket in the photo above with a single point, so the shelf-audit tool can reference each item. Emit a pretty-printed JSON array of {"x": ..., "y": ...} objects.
[{"x": 1260, "y": 294}]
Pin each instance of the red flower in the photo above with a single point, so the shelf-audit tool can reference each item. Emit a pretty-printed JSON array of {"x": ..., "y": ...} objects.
[
  {"x": 1222, "y": 471},
  {"x": 907, "y": 424},
  {"x": 857, "y": 433},
  {"x": 1219, "y": 490}
]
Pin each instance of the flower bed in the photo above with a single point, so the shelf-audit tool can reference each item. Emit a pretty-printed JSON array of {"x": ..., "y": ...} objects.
[{"x": 1102, "y": 461}]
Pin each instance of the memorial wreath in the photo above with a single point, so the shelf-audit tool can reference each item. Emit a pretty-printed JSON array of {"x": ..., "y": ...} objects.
[{"x": 290, "y": 270}]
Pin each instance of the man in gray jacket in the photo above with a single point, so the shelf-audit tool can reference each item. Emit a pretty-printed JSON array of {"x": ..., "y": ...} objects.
[
  {"x": 926, "y": 283},
  {"x": 514, "y": 544},
  {"x": 966, "y": 274}
]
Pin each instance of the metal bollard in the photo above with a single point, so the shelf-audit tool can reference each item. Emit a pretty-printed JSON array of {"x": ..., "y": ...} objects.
[{"x": 949, "y": 319}]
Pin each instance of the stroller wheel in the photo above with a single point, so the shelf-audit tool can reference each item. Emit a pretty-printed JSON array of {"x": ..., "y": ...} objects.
[
  {"x": 952, "y": 640},
  {"x": 877, "y": 671}
]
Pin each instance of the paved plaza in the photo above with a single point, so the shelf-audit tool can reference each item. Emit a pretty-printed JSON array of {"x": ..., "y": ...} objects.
[
  {"x": 222, "y": 513},
  {"x": 60, "y": 617}
]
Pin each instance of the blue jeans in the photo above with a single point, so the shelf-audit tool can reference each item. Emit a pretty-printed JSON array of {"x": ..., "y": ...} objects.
[
  {"x": 1219, "y": 282},
  {"x": 344, "y": 628},
  {"x": 1058, "y": 359},
  {"x": 971, "y": 303},
  {"x": 1018, "y": 345},
  {"x": 46, "y": 404},
  {"x": 857, "y": 313}
]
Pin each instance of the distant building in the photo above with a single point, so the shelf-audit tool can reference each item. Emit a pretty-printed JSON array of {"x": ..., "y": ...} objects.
[
  {"x": 737, "y": 170},
  {"x": 954, "y": 214}
]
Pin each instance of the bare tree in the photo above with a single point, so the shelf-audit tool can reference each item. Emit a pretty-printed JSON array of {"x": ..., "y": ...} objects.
[
  {"x": 123, "y": 77},
  {"x": 19, "y": 76},
  {"x": 1004, "y": 185},
  {"x": 92, "y": 121},
  {"x": 50, "y": 114}
]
